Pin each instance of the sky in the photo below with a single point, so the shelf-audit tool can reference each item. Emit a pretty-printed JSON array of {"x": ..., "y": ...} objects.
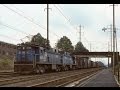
[{"x": 20, "y": 20}]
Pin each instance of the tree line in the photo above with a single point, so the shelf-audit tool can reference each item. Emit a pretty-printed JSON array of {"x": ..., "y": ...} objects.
[{"x": 63, "y": 44}]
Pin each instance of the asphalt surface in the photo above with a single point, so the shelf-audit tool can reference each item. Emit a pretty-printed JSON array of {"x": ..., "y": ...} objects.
[{"x": 104, "y": 78}]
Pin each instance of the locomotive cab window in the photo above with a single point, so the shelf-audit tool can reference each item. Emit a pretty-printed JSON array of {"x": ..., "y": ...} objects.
[
  {"x": 28, "y": 48},
  {"x": 23, "y": 48},
  {"x": 18, "y": 48}
]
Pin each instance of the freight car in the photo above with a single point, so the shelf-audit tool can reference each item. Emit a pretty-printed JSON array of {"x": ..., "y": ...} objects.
[
  {"x": 81, "y": 63},
  {"x": 33, "y": 58},
  {"x": 93, "y": 64}
]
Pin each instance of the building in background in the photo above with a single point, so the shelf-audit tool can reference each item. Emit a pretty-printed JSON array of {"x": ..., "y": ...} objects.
[{"x": 7, "y": 49}]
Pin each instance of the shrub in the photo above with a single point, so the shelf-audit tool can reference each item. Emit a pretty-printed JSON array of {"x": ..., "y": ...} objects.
[{"x": 6, "y": 63}]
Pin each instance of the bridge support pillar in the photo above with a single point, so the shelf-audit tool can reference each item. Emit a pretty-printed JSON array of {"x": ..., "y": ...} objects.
[
  {"x": 111, "y": 61},
  {"x": 108, "y": 62}
]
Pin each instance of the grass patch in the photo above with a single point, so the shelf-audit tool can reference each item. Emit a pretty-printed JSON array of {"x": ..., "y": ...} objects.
[{"x": 6, "y": 63}]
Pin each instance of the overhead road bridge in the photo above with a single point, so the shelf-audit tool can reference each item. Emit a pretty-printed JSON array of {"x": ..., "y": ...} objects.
[{"x": 98, "y": 54}]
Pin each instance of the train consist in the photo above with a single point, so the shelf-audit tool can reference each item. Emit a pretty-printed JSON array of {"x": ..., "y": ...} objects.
[{"x": 33, "y": 58}]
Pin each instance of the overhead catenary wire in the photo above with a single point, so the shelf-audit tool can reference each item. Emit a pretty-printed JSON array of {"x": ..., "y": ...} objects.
[
  {"x": 24, "y": 17},
  {"x": 31, "y": 19},
  {"x": 13, "y": 28},
  {"x": 8, "y": 26},
  {"x": 16, "y": 8},
  {"x": 1, "y": 35},
  {"x": 66, "y": 18},
  {"x": 69, "y": 20},
  {"x": 61, "y": 13}
]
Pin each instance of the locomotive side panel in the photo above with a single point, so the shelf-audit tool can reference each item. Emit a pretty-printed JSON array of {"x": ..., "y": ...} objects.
[{"x": 86, "y": 63}]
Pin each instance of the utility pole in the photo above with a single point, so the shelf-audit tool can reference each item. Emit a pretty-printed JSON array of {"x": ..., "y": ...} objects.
[
  {"x": 117, "y": 61},
  {"x": 111, "y": 43},
  {"x": 108, "y": 56},
  {"x": 47, "y": 26},
  {"x": 111, "y": 36},
  {"x": 80, "y": 33},
  {"x": 90, "y": 47},
  {"x": 114, "y": 31}
]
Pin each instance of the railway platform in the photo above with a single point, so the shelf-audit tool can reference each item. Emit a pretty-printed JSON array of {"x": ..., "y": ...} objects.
[{"x": 104, "y": 78}]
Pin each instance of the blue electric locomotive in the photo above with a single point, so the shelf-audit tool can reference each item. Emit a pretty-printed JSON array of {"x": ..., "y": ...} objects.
[{"x": 33, "y": 58}]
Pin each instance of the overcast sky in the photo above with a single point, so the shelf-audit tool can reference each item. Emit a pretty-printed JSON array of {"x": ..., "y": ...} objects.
[{"x": 29, "y": 19}]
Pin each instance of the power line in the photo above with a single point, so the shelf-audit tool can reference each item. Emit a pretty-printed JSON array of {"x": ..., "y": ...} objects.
[
  {"x": 60, "y": 6},
  {"x": 33, "y": 19},
  {"x": 8, "y": 26},
  {"x": 15, "y": 30},
  {"x": 9, "y": 37},
  {"x": 16, "y": 8},
  {"x": 64, "y": 17},
  {"x": 62, "y": 13},
  {"x": 24, "y": 16},
  {"x": 70, "y": 22},
  {"x": 28, "y": 18}
]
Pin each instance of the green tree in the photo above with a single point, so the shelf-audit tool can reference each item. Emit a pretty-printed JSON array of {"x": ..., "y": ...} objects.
[
  {"x": 79, "y": 47},
  {"x": 38, "y": 39},
  {"x": 64, "y": 44}
]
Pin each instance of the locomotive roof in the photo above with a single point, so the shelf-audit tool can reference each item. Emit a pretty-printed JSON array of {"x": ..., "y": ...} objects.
[
  {"x": 36, "y": 45},
  {"x": 31, "y": 45}
]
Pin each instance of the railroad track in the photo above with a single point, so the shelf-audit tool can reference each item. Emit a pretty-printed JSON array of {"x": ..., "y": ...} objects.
[
  {"x": 36, "y": 80},
  {"x": 17, "y": 79},
  {"x": 61, "y": 82},
  {"x": 5, "y": 73},
  {"x": 7, "y": 81},
  {"x": 8, "y": 74}
]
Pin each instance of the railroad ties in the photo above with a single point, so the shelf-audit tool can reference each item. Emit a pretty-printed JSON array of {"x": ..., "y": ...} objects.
[{"x": 56, "y": 79}]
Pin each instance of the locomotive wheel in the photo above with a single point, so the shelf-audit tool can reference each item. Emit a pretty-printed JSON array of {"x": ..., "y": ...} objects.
[
  {"x": 67, "y": 68},
  {"x": 41, "y": 69},
  {"x": 37, "y": 70},
  {"x": 73, "y": 68},
  {"x": 57, "y": 69}
]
